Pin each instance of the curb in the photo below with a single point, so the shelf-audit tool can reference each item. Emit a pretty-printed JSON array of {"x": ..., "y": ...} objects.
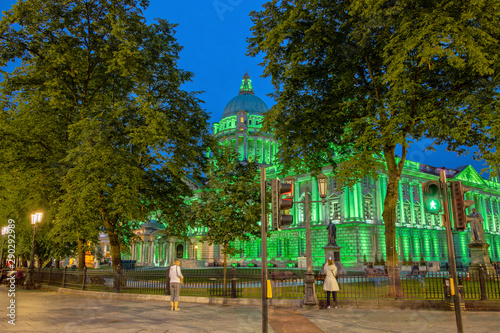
[{"x": 404, "y": 304}]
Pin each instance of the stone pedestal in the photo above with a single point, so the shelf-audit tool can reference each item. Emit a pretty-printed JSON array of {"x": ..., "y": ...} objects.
[
  {"x": 333, "y": 251},
  {"x": 480, "y": 258},
  {"x": 302, "y": 262}
]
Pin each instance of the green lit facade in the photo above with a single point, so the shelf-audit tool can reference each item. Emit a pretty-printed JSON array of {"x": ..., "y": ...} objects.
[{"x": 356, "y": 211}]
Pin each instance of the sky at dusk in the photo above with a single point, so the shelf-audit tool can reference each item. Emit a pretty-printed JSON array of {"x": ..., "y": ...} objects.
[{"x": 213, "y": 34}]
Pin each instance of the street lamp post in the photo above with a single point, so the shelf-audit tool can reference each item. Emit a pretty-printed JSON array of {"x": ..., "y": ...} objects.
[
  {"x": 4, "y": 234},
  {"x": 35, "y": 219},
  {"x": 310, "y": 298}
]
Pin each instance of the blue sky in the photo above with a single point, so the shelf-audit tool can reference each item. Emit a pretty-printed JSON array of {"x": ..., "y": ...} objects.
[{"x": 213, "y": 34}]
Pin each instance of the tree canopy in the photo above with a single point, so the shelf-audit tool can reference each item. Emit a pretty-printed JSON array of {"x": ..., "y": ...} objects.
[
  {"x": 362, "y": 78},
  {"x": 101, "y": 90}
]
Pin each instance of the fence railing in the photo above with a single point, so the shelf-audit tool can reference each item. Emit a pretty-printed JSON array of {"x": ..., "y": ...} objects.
[{"x": 286, "y": 283}]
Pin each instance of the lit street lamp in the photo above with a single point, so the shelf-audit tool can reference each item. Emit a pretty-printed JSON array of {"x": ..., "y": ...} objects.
[
  {"x": 4, "y": 235},
  {"x": 35, "y": 219},
  {"x": 310, "y": 290}
]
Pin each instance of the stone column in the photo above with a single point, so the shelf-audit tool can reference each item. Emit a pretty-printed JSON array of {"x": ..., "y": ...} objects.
[
  {"x": 359, "y": 202},
  {"x": 315, "y": 196},
  {"x": 422, "y": 209},
  {"x": 245, "y": 155},
  {"x": 263, "y": 151},
  {"x": 401, "y": 204},
  {"x": 255, "y": 149},
  {"x": 295, "y": 208},
  {"x": 493, "y": 220},
  {"x": 143, "y": 250},
  {"x": 412, "y": 205}
]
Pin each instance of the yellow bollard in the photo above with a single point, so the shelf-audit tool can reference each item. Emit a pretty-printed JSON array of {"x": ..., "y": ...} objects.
[{"x": 269, "y": 289}]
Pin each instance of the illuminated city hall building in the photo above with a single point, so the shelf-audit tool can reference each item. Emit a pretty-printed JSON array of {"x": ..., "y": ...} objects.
[{"x": 357, "y": 212}]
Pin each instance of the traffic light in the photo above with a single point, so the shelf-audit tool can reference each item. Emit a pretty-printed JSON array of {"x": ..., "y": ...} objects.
[
  {"x": 278, "y": 204},
  {"x": 433, "y": 202},
  {"x": 458, "y": 204}
]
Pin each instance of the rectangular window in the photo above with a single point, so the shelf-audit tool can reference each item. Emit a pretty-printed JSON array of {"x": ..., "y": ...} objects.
[
  {"x": 334, "y": 210},
  {"x": 368, "y": 209},
  {"x": 416, "y": 196}
]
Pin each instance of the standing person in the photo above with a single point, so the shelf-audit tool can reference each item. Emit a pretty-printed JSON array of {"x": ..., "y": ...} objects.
[
  {"x": 415, "y": 273},
  {"x": 176, "y": 278},
  {"x": 330, "y": 284}
]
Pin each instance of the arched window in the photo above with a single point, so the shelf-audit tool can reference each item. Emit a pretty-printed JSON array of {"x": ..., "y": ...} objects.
[{"x": 180, "y": 251}]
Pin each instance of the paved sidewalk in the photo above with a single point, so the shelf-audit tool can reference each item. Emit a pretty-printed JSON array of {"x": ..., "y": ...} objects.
[{"x": 49, "y": 311}]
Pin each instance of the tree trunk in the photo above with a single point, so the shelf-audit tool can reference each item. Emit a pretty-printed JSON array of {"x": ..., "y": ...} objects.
[
  {"x": 389, "y": 216},
  {"x": 225, "y": 272},
  {"x": 81, "y": 253},
  {"x": 58, "y": 260},
  {"x": 114, "y": 243}
]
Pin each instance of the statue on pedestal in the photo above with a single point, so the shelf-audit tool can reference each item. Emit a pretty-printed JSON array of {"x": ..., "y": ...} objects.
[
  {"x": 332, "y": 234},
  {"x": 476, "y": 227}
]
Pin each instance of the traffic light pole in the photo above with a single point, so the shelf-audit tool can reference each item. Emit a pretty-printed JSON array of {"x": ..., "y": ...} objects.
[
  {"x": 263, "y": 219},
  {"x": 451, "y": 252},
  {"x": 310, "y": 298}
]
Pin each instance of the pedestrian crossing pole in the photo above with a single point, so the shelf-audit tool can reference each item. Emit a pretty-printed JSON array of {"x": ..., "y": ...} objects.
[{"x": 451, "y": 252}]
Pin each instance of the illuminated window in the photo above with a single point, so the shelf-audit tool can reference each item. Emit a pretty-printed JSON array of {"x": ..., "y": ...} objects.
[
  {"x": 366, "y": 182},
  {"x": 242, "y": 120},
  {"x": 407, "y": 212},
  {"x": 334, "y": 209},
  {"x": 398, "y": 213},
  {"x": 418, "y": 218},
  {"x": 368, "y": 207},
  {"x": 428, "y": 219},
  {"x": 405, "y": 188}
]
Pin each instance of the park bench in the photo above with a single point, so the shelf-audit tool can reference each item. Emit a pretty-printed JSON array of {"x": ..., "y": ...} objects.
[
  {"x": 375, "y": 272},
  {"x": 97, "y": 280},
  {"x": 415, "y": 274},
  {"x": 283, "y": 275}
]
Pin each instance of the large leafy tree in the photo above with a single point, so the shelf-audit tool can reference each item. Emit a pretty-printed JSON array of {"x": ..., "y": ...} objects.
[
  {"x": 229, "y": 204},
  {"x": 110, "y": 86},
  {"x": 364, "y": 78}
]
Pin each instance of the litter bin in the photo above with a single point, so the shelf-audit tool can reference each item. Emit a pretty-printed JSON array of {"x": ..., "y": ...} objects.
[{"x": 449, "y": 298}]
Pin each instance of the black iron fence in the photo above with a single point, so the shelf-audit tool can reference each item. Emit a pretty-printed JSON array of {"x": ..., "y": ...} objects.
[{"x": 286, "y": 283}]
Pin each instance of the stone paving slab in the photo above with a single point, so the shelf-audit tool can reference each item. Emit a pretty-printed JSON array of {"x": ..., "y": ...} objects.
[{"x": 49, "y": 311}]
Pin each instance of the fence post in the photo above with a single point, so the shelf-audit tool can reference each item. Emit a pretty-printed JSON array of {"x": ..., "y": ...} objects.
[
  {"x": 64, "y": 277},
  {"x": 233, "y": 283},
  {"x": 482, "y": 284},
  {"x": 233, "y": 287},
  {"x": 117, "y": 280},
  {"x": 38, "y": 275},
  {"x": 167, "y": 279},
  {"x": 50, "y": 275},
  {"x": 84, "y": 287}
]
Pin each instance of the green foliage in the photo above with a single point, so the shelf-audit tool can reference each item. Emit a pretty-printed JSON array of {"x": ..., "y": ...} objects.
[
  {"x": 94, "y": 122},
  {"x": 366, "y": 76},
  {"x": 358, "y": 79},
  {"x": 229, "y": 203}
]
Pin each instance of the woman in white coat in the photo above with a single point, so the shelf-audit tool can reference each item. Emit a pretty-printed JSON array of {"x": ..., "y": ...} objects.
[{"x": 330, "y": 285}]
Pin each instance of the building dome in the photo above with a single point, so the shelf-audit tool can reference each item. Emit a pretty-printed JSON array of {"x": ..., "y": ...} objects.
[{"x": 245, "y": 101}]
